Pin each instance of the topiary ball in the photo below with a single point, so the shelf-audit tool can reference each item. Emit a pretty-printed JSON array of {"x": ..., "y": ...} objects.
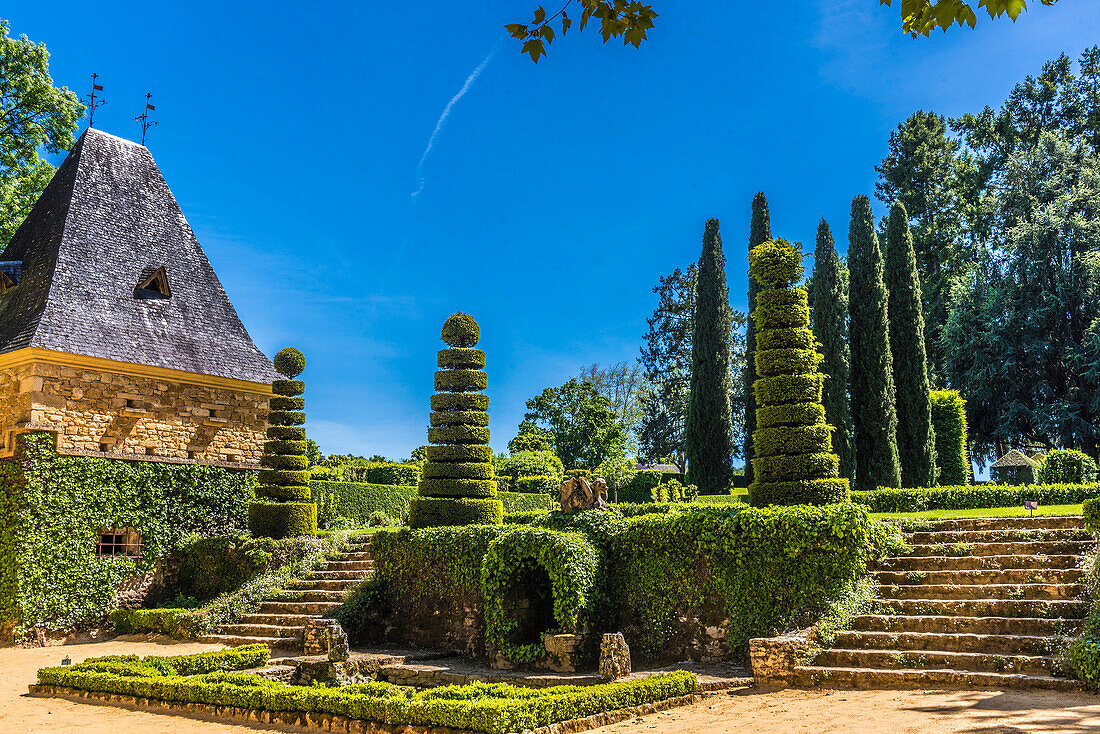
[
  {"x": 776, "y": 264},
  {"x": 461, "y": 330},
  {"x": 290, "y": 362}
]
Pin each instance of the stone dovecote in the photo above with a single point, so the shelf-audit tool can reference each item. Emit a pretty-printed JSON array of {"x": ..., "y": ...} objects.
[{"x": 115, "y": 333}]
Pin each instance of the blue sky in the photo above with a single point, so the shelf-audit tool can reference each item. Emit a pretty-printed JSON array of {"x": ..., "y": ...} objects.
[{"x": 553, "y": 195}]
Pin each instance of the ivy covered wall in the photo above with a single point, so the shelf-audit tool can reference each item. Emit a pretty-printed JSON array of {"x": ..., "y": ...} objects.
[{"x": 52, "y": 508}]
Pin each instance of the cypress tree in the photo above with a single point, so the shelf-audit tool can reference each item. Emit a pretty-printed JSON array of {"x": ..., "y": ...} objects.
[
  {"x": 760, "y": 231},
  {"x": 794, "y": 463},
  {"x": 830, "y": 317},
  {"x": 916, "y": 441},
  {"x": 709, "y": 429},
  {"x": 874, "y": 415}
]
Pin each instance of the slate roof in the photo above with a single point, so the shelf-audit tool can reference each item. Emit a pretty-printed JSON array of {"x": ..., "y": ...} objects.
[
  {"x": 1015, "y": 457},
  {"x": 104, "y": 223}
]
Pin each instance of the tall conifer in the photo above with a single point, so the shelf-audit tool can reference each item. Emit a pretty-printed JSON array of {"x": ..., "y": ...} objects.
[
  {"x": 874, "y": 415},
  {"x": 760, "y": 231},
  {"x": 916, "y": 441},
  {"x": 709, "y": 430},
  {"x": 830, "y": 316}
]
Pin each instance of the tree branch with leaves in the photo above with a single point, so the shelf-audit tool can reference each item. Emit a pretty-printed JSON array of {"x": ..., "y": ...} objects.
[
  {"x": 921, "y": 17},
  {"x": 626, "y": 19}
]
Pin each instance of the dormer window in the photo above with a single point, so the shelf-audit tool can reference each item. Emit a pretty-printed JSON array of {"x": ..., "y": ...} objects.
[
  {"x": 154, "y": 285},
  {"x": 11, "y": 272}
]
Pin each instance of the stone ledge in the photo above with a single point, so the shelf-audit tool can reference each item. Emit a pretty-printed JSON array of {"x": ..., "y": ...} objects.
[{"x": 314, "y": 721}]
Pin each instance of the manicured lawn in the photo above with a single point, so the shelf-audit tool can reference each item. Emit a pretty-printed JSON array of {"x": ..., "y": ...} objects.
[
  {"x": 722, "y": 499},
  {"x": 984, "y": 512}
]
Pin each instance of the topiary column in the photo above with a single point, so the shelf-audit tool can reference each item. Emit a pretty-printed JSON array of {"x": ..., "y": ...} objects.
[
  {"x": 794, "y": 462},
  {"x": 457, "y": 485},
  {"x": 283, "y": 508}
]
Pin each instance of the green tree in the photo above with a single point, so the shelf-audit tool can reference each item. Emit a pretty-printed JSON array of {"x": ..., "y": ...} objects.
[
  {"x": 760, "y": 231},
  {"x": 621, "y": 384},
  {"x": 582, "y": 427},
  {"x": 874, "y": 416},
  {"x": 313, "y": 452},
  {"x": 709, "y": 430},
  {"x": 830, "y": 323},
  {"x": 794, "y": 463},
  {"x": 916, "y": 440},
  {"x": 34, "y": 116},
  {"x": 666, "y": 364},
  {"x": 530, "y": 441},
  {"x": 921, "y": 17},
  {"x": 926, "y": 170}
]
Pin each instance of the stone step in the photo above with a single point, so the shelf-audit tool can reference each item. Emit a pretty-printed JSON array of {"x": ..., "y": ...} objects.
[
  {"x": 315, "y": 608},
  {"x": 342, "y": 565},
  {"x": 323, "y": 595},
  {"x": 1009, "y": 535},
  {"x": 355, "y": 556},
  {"x": 327, "y": 575},
  {"x": 965, "y": 563},
  {"x": 961, "y": 624},
  {"x": 275, "y": 643},
  {"x": 981, "y": 591},
  {"x": 874, "y": 678},
  {"x": 986, "y": 576},
  {"x": 1006, "y": 644},
  {"x": 936, "y": 660},
  {"x": 999, "y": 523},
  {"x": 278, "y": 620},
  {"x": 263, "y": 630},
  {"x": 340, "y": 585},
  {"x": 1050, "y": 608},
  {"x": 958, "y": 550}
]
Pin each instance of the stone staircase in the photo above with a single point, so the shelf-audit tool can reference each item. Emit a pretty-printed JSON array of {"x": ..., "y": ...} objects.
[
  {"x": 280, "y": 621},
  {"x": 984, "y": 602}
]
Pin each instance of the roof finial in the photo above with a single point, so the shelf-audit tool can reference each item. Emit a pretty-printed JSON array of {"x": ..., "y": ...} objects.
[
  {"x": 143, "y": 118},
  {"x": 92, "y": 101}
]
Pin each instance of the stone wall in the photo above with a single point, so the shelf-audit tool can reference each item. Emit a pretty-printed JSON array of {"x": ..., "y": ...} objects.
[{"x": 95, "y": 412}]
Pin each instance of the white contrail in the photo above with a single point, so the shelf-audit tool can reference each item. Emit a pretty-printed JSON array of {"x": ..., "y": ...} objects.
[{"x": 446, "y": 113}]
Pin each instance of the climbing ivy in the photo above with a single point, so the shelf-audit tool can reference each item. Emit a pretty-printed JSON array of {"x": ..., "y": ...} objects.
[{"x": 52, "y": 508}]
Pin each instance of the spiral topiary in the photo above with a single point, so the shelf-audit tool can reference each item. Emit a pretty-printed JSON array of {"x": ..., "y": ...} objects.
[
  {"x": 283, "y": 508},
  {"x": 457, "y": 487},
  {"x": 794, "y": 463}
]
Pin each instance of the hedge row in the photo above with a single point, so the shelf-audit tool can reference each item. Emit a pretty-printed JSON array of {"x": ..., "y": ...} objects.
[
  {"x": 491, "y": 709},
  {"x": 180, "y": 624},
  {"x": 358, "y": 501},
  {"x": 969, "y": 497},
  {"x": 244, "y": 657},
  {"x": 379, "y": 472}
]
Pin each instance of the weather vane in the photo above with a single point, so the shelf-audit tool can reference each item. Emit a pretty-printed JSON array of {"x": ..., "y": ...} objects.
[
  {"x": 92, "y": 101},
  {"x": 143, "y": 118}
]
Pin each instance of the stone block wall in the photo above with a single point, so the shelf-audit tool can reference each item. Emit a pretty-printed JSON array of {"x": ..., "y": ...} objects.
[{"x": 98, "y": 412}]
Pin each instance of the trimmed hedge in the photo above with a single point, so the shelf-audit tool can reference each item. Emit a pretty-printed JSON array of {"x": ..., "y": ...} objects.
[
  {"x": 640, "y": 487},
  {"x": 795, "y": 467},
  {"x": 787, "y": 389},
  {"x": 1091, "y": 511},
  {"x": 458, "y": 486},
  {"x": 798, "y": 414},
  {"x": 487, "y": 708},
  {"x": 571, "y": 562},
  {"x": 282, "y": 519},
  {"x": 759, "y": 568},
  {"x": 478, "y": 488},
  {"x": 811, "y": 439},
  {"x": 969, "y": 497},
  {"x": 358, "y": 501},
  {"x": 379, "y": 472},
  {"x": 540, "y": 484},
  {"x": 1068, "y": 466},
  {"x": 426, "y": 512},
  {"x": 244, "y": 657},
  {"x": 806, "y": 491},
  {"x": 949, "y": 425},
  {"x": 177, "y": 623}
]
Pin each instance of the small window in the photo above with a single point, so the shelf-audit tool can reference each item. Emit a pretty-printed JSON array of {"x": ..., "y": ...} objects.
[
  {"x": 113, "y": 543},
  {"x": 154, "y": 285}
]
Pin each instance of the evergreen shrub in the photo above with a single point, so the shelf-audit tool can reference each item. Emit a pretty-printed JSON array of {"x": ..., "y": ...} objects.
[
  {"x": 970, "y": 497},
  {"x": 1068, "y": 466},
  {"x": 1091, "y": 512},
  {"x": 793, "y": 461},
  {"x": 640, "y": 487},
  {"x": 950, "y": 428},
  {"x": 283, "y": 508},
  {"x": 458, "y": 486},
  {"x": 536, "y": 483}
]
